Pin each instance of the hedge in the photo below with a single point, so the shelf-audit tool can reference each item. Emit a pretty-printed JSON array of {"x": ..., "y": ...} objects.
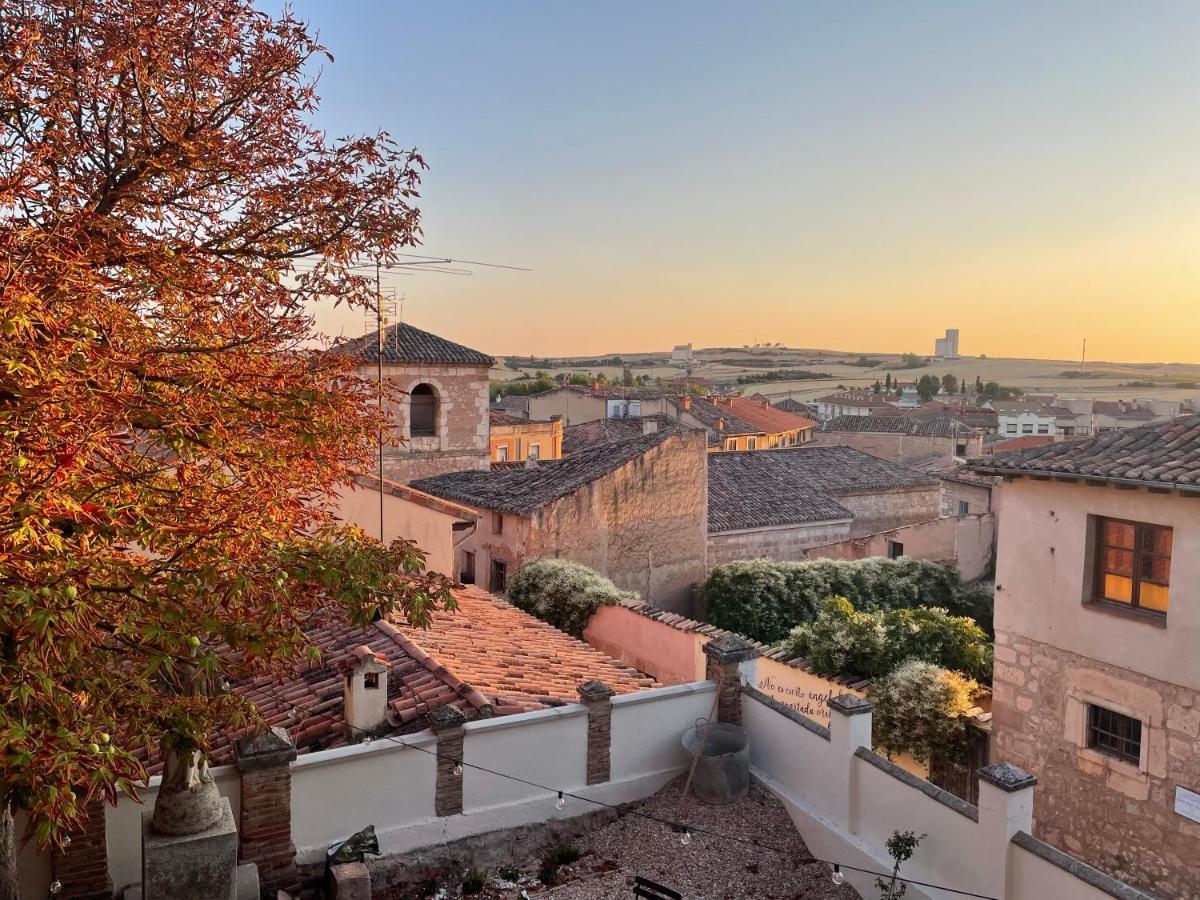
[
  {"x": 563, "y": 593},
  {"x": 765, "y": 600}
]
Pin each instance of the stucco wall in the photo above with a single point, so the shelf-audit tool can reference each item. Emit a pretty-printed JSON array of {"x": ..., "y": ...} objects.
[
  {"x": 965, "y": 542},
  {"x": 786, "y": 543},
  {"x": 429, "y": 528},
  {"x": 879, "y": 511},
  {"x": 1056, "y": 655},
  {"x": 462, "y": 421},
  {"x": 576, "y": 407},
  {"x": 670, "y": 655},
  {"x": 516, "y": 440},
  {"x": 900, "y": 448}
]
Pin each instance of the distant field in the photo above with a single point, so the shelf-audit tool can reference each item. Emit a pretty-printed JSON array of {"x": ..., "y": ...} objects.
[{"x": 1103, "y": 379}]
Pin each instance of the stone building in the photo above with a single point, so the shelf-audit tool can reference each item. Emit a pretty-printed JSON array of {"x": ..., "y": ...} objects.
[
  {"x": 775, "y": 504},
  {"x": 633, "y": 510},
  {"x": 903, "y": 439},
  {"x": 1097, "y": 676},
  {"x": 442, "y": 416}
]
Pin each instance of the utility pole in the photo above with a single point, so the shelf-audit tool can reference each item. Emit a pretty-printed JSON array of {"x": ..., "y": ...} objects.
[
  {"x": 1083, "y": 358},
  {"x": 379, "y": 386}
]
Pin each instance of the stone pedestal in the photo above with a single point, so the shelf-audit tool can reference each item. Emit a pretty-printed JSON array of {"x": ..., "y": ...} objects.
[{"x": 199, "y": 866}]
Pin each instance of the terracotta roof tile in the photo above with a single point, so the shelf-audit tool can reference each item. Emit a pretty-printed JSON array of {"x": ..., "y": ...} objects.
[{"x": 406, "y": 344}]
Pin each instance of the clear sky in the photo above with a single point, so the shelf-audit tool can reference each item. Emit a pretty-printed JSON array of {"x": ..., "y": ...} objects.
[{"x": 841, "y": 175}]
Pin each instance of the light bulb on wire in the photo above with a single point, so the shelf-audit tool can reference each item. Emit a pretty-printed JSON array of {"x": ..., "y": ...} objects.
[
  {"x": 561, "y": 801},
  {"x": 686, "y": 837},
  {"x": 838, "y": 877},
  {"x": 66, "y": 840},
  {"x": 458, "y": 770},
  {"x": 55, "y": 886}
]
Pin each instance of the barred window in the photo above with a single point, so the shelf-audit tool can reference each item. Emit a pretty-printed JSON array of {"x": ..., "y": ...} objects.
[{"x": 1115, "y": 734}]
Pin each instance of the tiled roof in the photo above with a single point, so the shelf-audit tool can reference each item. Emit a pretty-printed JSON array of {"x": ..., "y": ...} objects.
[
  {"x": 518, "y": 662},
  {"x": 745, "y": 416},
  {"x": 485, "y": 658},
  {"x": 513, "y": 403},
  {"x": 1119, "y": 410},
  {"x": 411, "y": 494},
  {"x": 1167, "y": 453},
  {"x": 1016, "y": 407},
  {"x": 1004, "y": 445},
  {"x": 522, "y": 491},
  {"x": 942, "y": 426},
  {"x": 407, "y": 344},
  {"x": 497, "y": 417},
  {"x": 608, "y": 431},
  {"x": 787, "y": 404},
  {"x": 763, "y": 488},
  {"x": 864, "y": 399}
]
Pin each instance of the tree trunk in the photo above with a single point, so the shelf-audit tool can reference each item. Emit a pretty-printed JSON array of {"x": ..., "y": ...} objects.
[{"x": 10, "y": 883}]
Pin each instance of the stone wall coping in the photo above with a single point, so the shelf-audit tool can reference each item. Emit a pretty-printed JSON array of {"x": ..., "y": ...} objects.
[
  {"x": 849, "y": 705},
  {"x": 594, "y": 691},
  {"x": 960, "y": 806},
  {"x": 664, "y": 693},
  {"x": 1007, "y": 777},
  {"x": 387, "y": 744},
  {"x": 536, "y": 717},
  {"x": 730, "y": 648},
  {"x": 1081, "y": 870},
  {"x": 786, "y": 711}
]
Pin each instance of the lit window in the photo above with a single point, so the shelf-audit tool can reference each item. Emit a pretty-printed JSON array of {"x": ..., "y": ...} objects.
[
  {"x": 1115, "y": 734},
  {"x": 1133, "y": 564},
  {"x": 535, "y": 451}
]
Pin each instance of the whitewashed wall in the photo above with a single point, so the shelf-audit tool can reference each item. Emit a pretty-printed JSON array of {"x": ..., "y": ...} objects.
[{"x": 846, "y": 802}]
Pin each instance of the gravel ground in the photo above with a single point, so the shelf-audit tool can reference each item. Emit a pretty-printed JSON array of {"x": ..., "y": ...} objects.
[{"x": 708, "y": 868}]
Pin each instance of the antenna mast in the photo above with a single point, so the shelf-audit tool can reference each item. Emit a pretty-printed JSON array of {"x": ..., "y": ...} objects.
[{"x": 1083, "y": 357}]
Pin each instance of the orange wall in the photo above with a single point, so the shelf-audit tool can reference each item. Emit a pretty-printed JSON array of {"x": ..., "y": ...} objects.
[{"x": 517, "y": 438}]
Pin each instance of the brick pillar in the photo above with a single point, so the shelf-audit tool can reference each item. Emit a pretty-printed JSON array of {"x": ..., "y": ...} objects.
[
  {"x": 447, "y": 723},
  {"x": 265, "y": 828},
  {"x": 82, "y": 866},
  {"x": 723, "y": 659},
  {"x": 597, "y": 697}
]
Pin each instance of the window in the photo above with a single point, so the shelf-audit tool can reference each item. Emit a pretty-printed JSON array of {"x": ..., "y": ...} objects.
[
  {"x": 423, "y": 412},
  {"x": 499, "y": 580},
  {"x": 960, "y": 449},
  {"x": 895, "y": 549},
  {"x": 1133, "y": 564},
  {"x": 535, "y": 451},
  {"x": 502, "y": 453},
  {"x": 1115, "y": 734},
  {"x": 467, "y": 575},
  {"x": 752, "y": 443},
  {"x": 497, "y": 523},
  {"x": 1011, "y": 428},
  {"x": 1043, "y": 429},
  {"x": 964, "y": 508},
  {"x": 1027, "y": 428}
]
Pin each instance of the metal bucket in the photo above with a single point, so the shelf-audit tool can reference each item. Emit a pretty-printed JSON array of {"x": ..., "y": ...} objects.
[{"x": 722, "y": 761}]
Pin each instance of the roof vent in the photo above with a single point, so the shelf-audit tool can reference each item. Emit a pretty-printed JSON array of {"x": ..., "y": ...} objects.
[{"x": 366, "y": 691}]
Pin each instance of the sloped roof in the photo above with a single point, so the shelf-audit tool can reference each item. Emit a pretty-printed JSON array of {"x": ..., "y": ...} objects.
[
  {"x": 485, "y": 658},
  {"x": 745, "y": 416},
  {"x": 524, "y": 490},
  {"x": 864, "y": 399},
  {"x": 608, "y": 431},
  {"x": 787, "y": 404},
  {"x": 763, "y": 488},
  {"x": 1167, "y": 453},
  {"x": 942, "y": 426},
  {"x": 1118, "y": 410},
  {"x": 406, "y": 343}
]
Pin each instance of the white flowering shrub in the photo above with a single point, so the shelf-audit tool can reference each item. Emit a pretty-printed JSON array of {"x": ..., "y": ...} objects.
[
  {"x": 563, "y": 593},
  {"x": 920, "y": 708}
]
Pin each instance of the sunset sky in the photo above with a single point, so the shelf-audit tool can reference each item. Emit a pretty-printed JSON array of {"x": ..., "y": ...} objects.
[{"x": 841, "y": 175}]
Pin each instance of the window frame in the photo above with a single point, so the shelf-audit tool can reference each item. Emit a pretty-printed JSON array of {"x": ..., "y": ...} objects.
[
  {"x": 1119, "y": 728},
  {"x": 964, "y": 508},
  {"x": 895, "y": 549},
  {"x": 1098, "y": 546},
  {"x": 429, "y": 429}
]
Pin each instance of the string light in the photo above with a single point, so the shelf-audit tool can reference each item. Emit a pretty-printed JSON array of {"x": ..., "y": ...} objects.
[
  {"x": 458, "y": 769},
  {"x": 366, "y": 741},
  {"x": 55, "y": 886},
  {"x": 66, "y": 840},
  {"x": 685, "y": 831}
]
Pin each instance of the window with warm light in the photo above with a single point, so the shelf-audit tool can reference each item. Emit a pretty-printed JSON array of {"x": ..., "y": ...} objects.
[{"x": 1133, "y": 564}]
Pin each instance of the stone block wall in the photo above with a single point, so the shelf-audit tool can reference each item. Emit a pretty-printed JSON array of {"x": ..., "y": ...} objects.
[
  {"x": 898, "y": 448},
  {"x": 1112, "y": 815},
  {"x": 772, "y": 543},
  {"x": 461, "y": 441},
  {"x": 877, "y": 511}
]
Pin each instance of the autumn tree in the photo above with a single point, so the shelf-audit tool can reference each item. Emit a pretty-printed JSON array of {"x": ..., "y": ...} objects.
[{"x": 170, "y": 437}]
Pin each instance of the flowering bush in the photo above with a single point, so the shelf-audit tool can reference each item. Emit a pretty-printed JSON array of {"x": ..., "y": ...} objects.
[
  {"x": 563, "y": 593},
  {"x": 844, "y": 641},
  {"x": 920, "y": 708},
  {"x": 764, "y": 600}
]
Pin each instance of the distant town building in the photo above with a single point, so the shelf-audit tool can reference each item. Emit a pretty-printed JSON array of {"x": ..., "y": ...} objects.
[
  {"x": 852, "y": 403},
  {"x": 903, "y": 439},
  {"x": 947, "y": 347},
  {"x": 734, "y": 422},
  {"x": 514, "y": 439},
  {"x": 1018, "y": 418},
  {"x": 1096, "y": 686},
  {"x": 633, "y": 510},
  {"x": 682, "y": 353},
  {"x": 787, "y": 404},
  {"x": 442, "y": 415}
]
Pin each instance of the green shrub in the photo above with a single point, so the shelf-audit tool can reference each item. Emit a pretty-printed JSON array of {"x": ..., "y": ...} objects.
[
  {"x": 844, "y": 641},
  {"x": 563, "y": 593},
  {"x": 564, "y": 854},
  {"x": 473, "y": 882},
  {"x": 764, "y": 600},
  {"x": 920, "y": 708},
  {"x": 509, "y": 872}
]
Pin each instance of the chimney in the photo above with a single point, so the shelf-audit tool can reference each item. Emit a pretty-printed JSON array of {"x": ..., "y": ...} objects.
[
  {"x": 531, "y": 462},
  {"x": 649, "y": 426},
  {"x": 765, "y": 402},
  {"x": 366, "y": 691},
  {"x": 720, "y": 423},
  {"x": 686, "y": 402}
]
